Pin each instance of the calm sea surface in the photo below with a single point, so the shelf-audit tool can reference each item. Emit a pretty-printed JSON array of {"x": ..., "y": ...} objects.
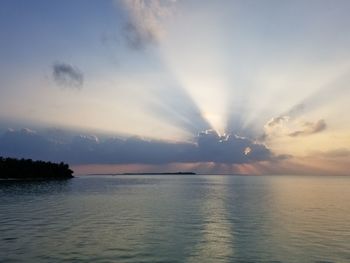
[{"x": 176, "y": 218}]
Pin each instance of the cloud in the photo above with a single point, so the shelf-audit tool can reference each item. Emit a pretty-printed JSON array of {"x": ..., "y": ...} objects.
[
  {"x": 65, "y": 75},
  {"x": 230, "y": 149},
  {"x": 277, "y": 121},
  {"x": 288, "y": 126},
  {"x": 24, "y": 143},
  {"x": 291, "y": 124},
  {"x": 310, "y": 128},
  {"x": 145, "y": 21},
  {"x": 208, "y": 146}
]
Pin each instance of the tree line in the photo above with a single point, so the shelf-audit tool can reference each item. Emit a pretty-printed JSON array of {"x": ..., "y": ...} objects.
[{"x": 11, "y": 168}]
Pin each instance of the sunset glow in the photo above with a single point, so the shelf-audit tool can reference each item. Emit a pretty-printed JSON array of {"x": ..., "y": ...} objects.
[{"x": 209, "y": 86}]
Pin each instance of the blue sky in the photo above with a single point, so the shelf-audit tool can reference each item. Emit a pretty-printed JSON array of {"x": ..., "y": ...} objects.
[{"x": 265, "y": 82}]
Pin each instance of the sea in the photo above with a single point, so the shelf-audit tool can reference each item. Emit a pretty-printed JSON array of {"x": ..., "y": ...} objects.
[{"x": 176, "y": 218}]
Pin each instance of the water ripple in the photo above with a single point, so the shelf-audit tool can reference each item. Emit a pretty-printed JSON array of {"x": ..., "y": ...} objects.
[{"x": 176, "y": 219}]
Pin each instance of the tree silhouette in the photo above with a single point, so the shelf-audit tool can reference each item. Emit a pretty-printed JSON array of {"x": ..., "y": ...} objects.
[{"x": 11, "y": 168}]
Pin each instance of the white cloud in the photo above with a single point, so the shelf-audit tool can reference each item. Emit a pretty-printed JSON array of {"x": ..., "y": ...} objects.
[{"x": 292, "y": 127}]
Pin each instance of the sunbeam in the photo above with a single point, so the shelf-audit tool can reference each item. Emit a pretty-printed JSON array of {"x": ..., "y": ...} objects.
[
  {"x": 191, "y": 54},
  {"x": 233, "y": 86}
]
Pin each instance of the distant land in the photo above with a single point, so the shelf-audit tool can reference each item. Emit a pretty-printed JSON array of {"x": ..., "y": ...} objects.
[
  {"x": 27, "y": 169},
  {"x": 159, "y": 173},
  {"x": 164, "y": 173}
]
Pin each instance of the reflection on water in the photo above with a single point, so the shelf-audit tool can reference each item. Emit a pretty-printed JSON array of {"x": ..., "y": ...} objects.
[
  {"x": 11, "y": 188},
  {"x": 176, "y": 219},
  {"x": 216, "y": 234}
]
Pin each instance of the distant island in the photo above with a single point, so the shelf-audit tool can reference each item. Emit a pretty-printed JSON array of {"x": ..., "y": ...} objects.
[
  {"x": 27, "y": 169},
  {"x": 184, "y": 173},
  {"x": 140, "y": 173}
]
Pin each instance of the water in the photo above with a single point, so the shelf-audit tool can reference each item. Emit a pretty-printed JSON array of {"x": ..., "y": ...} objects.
[{"x": 177, "y": 219}]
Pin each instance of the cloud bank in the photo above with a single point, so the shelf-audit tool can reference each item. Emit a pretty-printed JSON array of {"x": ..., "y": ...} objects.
[
  {"x": 65, "y": 75},
  {"x": 207, "y": 147}
]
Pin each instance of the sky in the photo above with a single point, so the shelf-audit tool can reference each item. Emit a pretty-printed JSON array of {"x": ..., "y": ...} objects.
[{"x": 233, "y": 87}]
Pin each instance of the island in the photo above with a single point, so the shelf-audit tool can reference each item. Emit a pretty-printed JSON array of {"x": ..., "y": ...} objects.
[
  {"x": 147, "y": 173},
  {"x": 165, "y": 173},
  {"x": 27, "y": 169}
]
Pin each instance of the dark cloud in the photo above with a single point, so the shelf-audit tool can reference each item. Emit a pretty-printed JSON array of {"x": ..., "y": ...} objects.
[
  {"x": 208, "y": 147},
  {"x": 230, "y": 149},
  {"x": 65, "y": 75},
  {"x": 309, "y": 128},
  {"x": 25, "y": 143}
]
